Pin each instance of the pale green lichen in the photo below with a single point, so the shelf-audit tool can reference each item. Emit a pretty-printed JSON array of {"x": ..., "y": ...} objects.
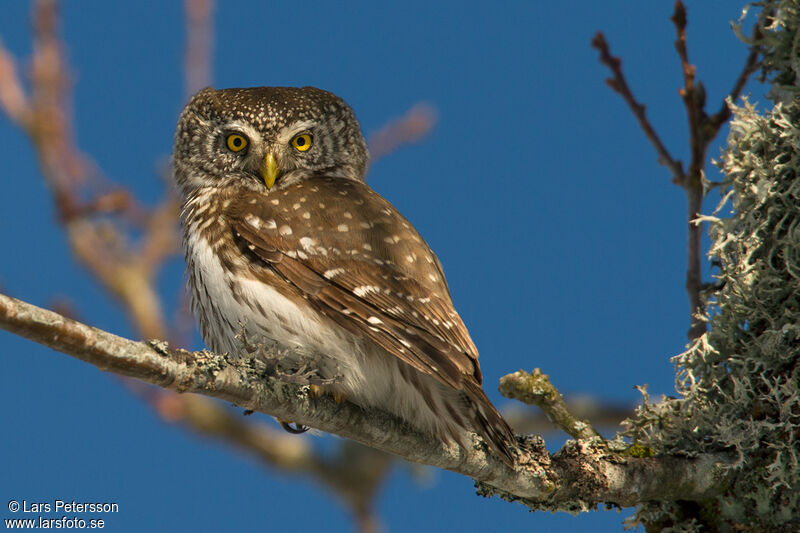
[
  {"x": 778, "y": 40},
  {"x": 739, "y": 384}
]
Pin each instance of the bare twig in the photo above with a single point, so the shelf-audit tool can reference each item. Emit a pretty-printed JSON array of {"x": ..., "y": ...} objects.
[
  {"x": 128, "y": 271},
  {"x": 694, "y": 99},
  {"x": 535, "y": 389},
  {"x": 716, "y": 121},
  {"x": 702, "y": 131},
  {"x": 199, "y": 44},
  {"x": 12, "y": 96},
  {"x": 99, "y": 244},
  {"x": 579, "y": 476},
  {"x": 410, "y": 128},
  {"x": 620, "y": 85}
]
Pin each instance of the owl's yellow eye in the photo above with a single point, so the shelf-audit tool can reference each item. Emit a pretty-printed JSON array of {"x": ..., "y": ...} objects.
[
  {"x": 236, "y": 142},
  {"x": 302, "y": 142}
]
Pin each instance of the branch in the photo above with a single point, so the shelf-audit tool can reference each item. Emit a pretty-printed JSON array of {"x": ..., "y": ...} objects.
[
  {"x": 620, "y": 85},
  {"x": 199, "y": 45},
  {"x": 536, "y": 389},
  {"x": 702, "y": 131},
  {"x": 410, "y": 128},
  {"x": 99, "y": 243},
  {"x": 129, "y": 269},
  {"x": 578, "y": 477}
]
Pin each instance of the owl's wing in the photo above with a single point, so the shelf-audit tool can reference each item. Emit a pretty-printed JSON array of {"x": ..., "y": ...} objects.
[
  {"x": 345, "y": 265},
  {"x": 353, "y": 257}
]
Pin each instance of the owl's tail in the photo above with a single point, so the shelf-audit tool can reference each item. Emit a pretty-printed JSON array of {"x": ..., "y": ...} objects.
[{"x": 490, "y": 424}]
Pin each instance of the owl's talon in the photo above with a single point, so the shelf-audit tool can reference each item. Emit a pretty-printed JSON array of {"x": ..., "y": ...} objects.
[
  {"x": 314, "y": 392},
  {"x": 296, "y": 429},
  {"x": 339, "y": 398}
]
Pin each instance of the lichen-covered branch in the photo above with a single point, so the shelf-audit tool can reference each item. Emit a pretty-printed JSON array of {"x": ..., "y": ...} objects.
[
  {"x": 577, "y": 477},
  {"x": 535, "y": 389},
  {"x": 739, "y": 383}
]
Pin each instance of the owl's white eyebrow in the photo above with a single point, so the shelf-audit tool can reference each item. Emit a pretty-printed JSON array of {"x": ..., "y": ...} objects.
[
  {"x": 293, "y": 129},
  {"x": 243, "y": 127}
]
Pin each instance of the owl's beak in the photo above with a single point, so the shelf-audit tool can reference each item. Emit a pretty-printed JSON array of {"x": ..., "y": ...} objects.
[{"x": 270, "y": 170}]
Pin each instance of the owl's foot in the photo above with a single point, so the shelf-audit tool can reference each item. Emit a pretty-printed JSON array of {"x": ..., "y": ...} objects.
[
  {"x": 295, "y": 429},
  {"x": 339, "y": 397},
  {"x": 316, "y": 392}
]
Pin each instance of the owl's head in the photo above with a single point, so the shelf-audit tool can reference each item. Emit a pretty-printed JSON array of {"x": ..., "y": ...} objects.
[{"x": 266, "y": 138}]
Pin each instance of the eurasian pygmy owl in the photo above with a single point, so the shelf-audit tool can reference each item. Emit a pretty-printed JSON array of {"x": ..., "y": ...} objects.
[{"x": 285, "y": 241}]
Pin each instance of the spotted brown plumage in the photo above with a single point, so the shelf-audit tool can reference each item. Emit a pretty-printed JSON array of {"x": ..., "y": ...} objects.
[{"x": 320, "y": 263}]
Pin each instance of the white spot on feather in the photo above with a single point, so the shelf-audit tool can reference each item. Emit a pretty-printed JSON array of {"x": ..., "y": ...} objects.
[
  {"x": 308, "y": 244},
  {"x": 363, "y": 290},
  {"x": 333, "y": 272},
  {"x": 253, "y": 221},
  {"x": 285, "y": 230}
]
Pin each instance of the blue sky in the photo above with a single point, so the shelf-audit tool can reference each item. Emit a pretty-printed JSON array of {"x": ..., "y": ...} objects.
[{"x": 562, "y": 239}]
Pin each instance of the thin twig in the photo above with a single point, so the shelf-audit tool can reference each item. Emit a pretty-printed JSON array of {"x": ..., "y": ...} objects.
[
  {"x": 102, "y": 244},
  {"x": 620, "y": 85},
  {"x": 416, "y": 124},
  {"x": 702, "y": 131},
  {"x": 719, "y": 118},
  {"x": 199, "y": 45},
  {"x": 694, "y": 99}
]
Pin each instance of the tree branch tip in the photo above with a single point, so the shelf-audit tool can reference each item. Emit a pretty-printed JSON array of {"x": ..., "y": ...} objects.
[
  {"x": 599, "y": 41},
  {"x": 679, "y": 17},
  {"x": 535, "y": 388}
]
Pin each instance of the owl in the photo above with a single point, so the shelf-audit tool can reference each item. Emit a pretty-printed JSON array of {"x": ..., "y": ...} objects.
[{"x": 285, "y": 242}]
